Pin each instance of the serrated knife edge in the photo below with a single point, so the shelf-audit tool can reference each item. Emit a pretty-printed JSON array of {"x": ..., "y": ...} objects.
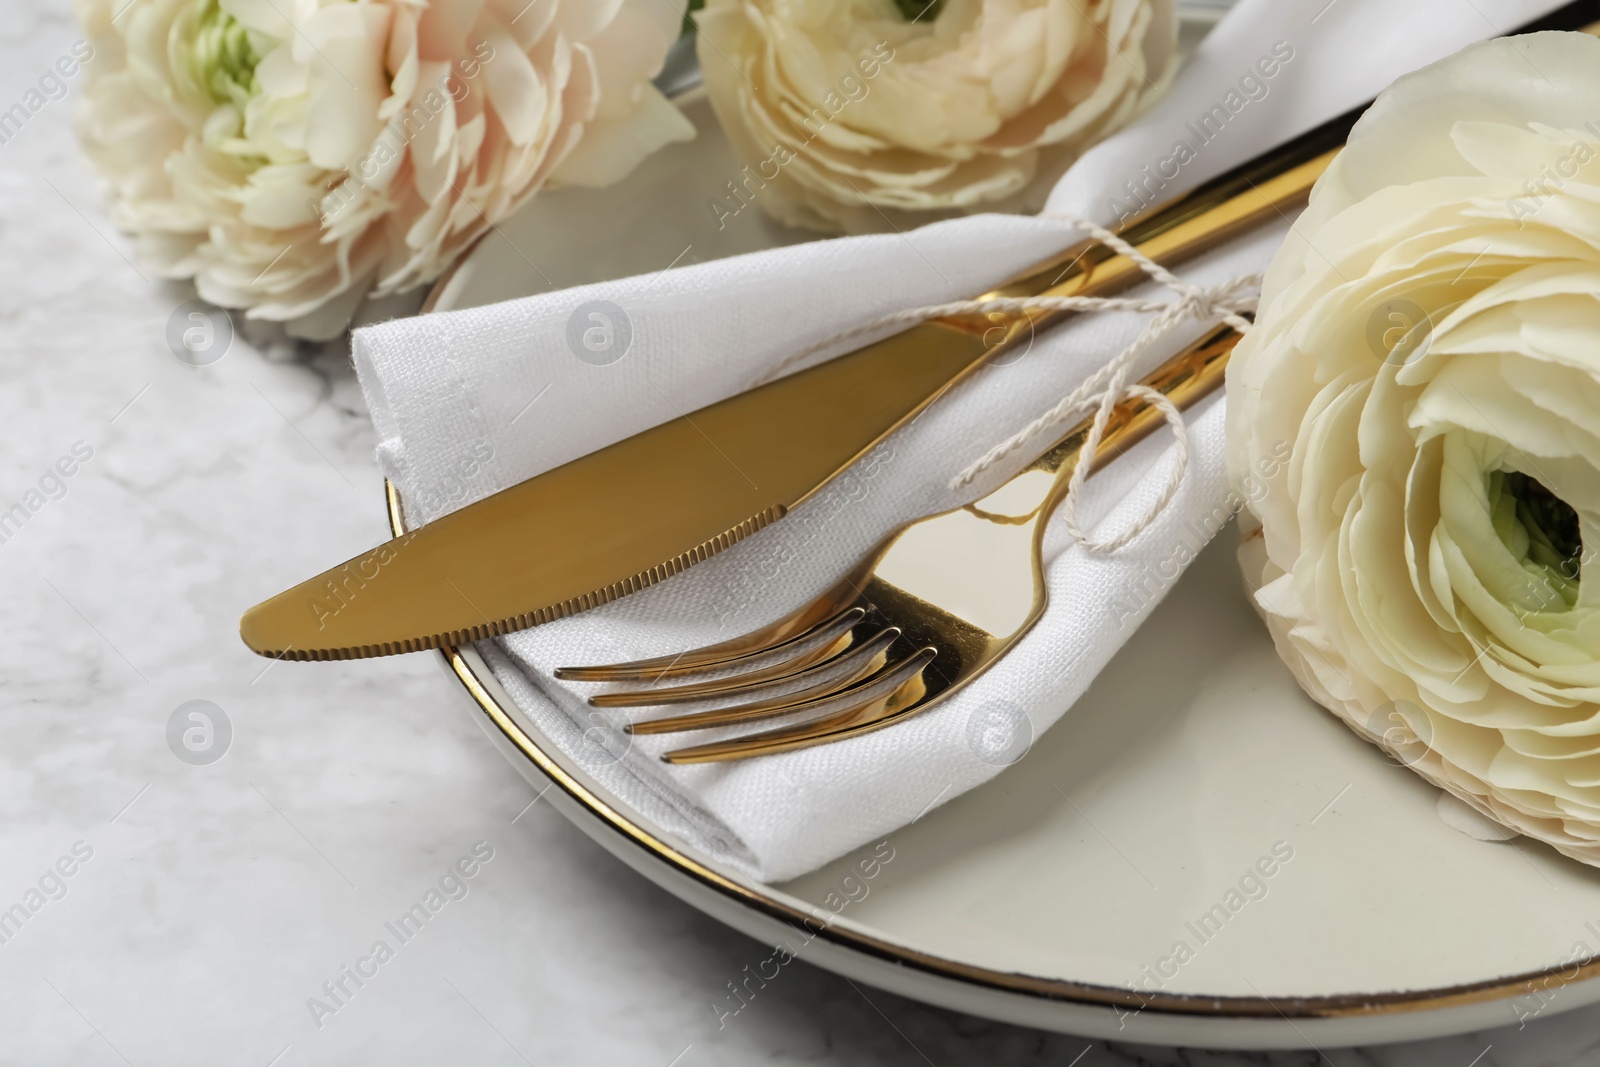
[{"x": 538, "y": 617}]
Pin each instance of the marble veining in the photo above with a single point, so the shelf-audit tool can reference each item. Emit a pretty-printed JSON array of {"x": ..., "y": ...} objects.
[{"x": 210, "y": 906}]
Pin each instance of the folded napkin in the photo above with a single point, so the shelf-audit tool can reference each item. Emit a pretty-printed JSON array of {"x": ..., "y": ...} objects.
[{"x": 450, "y": 394}]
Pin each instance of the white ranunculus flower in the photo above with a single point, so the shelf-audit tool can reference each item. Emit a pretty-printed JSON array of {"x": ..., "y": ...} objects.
[
  {"x": 851, "y": 111},
  {"x": 1427, "y": 357},
  {"x": 292, "y": 156}
]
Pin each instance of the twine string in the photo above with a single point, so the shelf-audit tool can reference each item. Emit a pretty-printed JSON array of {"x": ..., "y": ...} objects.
[{"x": 1227, "y": 301}]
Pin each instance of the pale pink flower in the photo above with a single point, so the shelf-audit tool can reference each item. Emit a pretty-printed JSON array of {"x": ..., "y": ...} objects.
[{"x": 293, "y": 156}]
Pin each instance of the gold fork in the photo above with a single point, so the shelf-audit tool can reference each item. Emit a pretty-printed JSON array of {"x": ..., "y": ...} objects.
[{"x": 908, "y": 626}]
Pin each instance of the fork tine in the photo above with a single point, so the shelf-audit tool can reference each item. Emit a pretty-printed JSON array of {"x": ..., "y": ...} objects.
[
  {"x": 795, "y": 631},
  {"x": 908, "y": 695},
  {"x": 825, "y": 660},
  {"x": 938, "y": 644},
  {"x": 866, "y": 666}
]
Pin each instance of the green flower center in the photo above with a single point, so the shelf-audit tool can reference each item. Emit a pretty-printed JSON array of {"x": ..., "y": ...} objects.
[
  {"x": 1538, "y": 527},
  {"x": 919, "y": 10},
  {"x": 222, "y": 57}
]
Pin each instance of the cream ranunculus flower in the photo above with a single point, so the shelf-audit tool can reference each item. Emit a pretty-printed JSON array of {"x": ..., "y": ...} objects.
[
  {"x": 850, "y": 111},
  {"x": 292, "y": 156},
  {"x": 1427, "y": 356}
]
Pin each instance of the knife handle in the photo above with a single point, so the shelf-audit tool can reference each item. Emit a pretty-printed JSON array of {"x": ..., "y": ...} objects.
[
  {"x": 1212, "y": 213},
  {"x": 1273, "y": 184}
]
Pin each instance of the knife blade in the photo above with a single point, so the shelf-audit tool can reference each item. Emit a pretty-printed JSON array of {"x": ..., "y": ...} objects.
[
  {"x": 627, "y": 516},
  {"x": 617, "y": 520}
]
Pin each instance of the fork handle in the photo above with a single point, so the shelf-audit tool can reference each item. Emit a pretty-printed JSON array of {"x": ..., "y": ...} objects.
[
  {"x": 1192, "y": 374},
  {"x": 1184, "y": 379}
]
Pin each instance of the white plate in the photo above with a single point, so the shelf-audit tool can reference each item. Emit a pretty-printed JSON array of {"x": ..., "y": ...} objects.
[{"x": 1045, "y": 896}]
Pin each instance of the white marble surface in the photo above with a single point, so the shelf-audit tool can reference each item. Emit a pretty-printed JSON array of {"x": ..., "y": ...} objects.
[{"x": 218, "y": 899}]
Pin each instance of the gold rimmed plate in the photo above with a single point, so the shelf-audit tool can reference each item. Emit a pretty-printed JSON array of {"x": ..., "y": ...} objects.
[{"x": 1195, "y": 855}]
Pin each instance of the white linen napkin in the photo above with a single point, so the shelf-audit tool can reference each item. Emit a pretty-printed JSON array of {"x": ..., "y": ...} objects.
[{"x": 450, "y": 394}]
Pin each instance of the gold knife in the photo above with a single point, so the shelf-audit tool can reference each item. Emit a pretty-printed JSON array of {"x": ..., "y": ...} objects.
[{"x": 625, "y": 517}]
